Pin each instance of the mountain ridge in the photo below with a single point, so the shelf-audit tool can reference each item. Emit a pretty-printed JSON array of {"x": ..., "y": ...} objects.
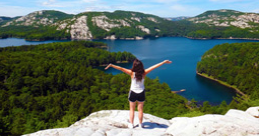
[
  {"x": 82, "y": 25},
  {"x": 227, "y": 18},
  {"x": 120, "y": 24}
]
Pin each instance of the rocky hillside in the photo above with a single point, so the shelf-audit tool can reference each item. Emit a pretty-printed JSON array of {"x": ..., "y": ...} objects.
[
  {"x": 228, "y": 18},
  {"x": 38, "y": 18},
  {"x": 87, "y": 25},
  {"x": 114, "y": 123},
  {"x": 57, "y": 25},
  {"x": 226, "y": 24}
]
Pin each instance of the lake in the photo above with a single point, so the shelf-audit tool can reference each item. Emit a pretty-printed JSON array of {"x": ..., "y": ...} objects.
[{"x": 181, "y": 74}]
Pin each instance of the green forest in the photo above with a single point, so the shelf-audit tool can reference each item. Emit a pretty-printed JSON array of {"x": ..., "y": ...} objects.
[
  {"x": 237, "y": 65},
  {"x": 217, "y": 32},
  {"x": 54, "y": 85}
]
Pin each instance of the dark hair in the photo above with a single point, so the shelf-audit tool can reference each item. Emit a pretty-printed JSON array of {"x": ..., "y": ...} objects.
[{"x": 138, "y": 68}]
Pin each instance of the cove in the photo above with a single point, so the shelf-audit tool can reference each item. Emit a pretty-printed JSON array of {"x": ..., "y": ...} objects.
[
  {"x": 19, "y": 41},
  {"x": 181, "y": 74}
]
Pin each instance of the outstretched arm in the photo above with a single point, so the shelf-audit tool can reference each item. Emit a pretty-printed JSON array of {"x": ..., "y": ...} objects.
[
  {"x": 156, "y": 66},
  {"x": 127, "y": 71}
]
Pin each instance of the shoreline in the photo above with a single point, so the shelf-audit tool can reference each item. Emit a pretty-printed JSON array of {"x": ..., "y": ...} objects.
[
  {"x": 222, "y": 83},
  {"x": 255, "y": 39},
  {"x": 117, "y": 62},
  {"x": 142, "y": 38}
]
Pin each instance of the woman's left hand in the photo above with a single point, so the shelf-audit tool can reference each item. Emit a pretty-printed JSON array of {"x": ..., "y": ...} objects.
[{"x": 108, "y": 66}]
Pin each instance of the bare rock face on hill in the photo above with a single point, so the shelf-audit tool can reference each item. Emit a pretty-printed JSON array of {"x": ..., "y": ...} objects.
[
  {"x": 114, "y": 123},
  {"x": 228, "y": 18},
  {"x": 90, "y": 25}
]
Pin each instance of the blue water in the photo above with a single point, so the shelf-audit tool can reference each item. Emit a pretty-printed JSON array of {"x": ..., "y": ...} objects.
[
  {"x": 18, "y": 42},
  {"x": 181, "y": 74}
]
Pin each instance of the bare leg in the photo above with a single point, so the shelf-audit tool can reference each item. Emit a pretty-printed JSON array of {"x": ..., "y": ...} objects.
[
  {"x": 140, "y": 111},
  {"x": 132, "y": 111}
]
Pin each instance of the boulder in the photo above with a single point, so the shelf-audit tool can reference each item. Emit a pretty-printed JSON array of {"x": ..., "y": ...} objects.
[
  {"x": 254, "y": 111},
  {"x": 233, "y": 123}
]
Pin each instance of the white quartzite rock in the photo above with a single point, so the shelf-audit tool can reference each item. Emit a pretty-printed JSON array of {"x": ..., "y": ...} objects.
[
  {"x": 146, "y": 30},
  {"x": 152, "y": 19},
  {"x": 241, "y": 21},
  {"x": 80, "y": 30},
  {"x": 110, "y": 123},
  {"x": 112, "y": 37},
  {"x": 254, "y": 111},
  {"x": 107, "y": 24},
  {"x": 30, "y": 19},
  {"x": 234, "y": 123},
  {"x": 114, "y": 123}
]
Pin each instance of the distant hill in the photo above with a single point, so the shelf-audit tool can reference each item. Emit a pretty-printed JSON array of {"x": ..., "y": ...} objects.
[
  {"x": 226, "y": 24},
  {"x": 2, "y": 18},
  {"x": 228, "y": 18},
  {"x": 177, "y": 18},
  {"x": 51, "y": 24}
]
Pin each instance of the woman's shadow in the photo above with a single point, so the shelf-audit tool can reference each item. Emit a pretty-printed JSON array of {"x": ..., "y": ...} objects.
[{"x": 152, "y": 125}]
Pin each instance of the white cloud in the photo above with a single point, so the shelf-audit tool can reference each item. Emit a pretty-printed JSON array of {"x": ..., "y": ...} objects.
[
  {"x": 97, "y": 8},
  {"x": 178, "y": 7},
  {"x": 255, "y": 10},
  {"x": 13, "y": 11},
  {"x": 226, "y": 1},
  {"x": 89, "y": 1},
  {"x": 61, "y": 4},
  {"x": 49, "y": 2},
  {"x": 166, "y": 1},
  {"x": 53, "y": 3},
  {"x": 184, "y": 9}
]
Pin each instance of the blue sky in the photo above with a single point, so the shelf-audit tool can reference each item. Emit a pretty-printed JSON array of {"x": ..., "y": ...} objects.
[{"x": 162, "y": 8}]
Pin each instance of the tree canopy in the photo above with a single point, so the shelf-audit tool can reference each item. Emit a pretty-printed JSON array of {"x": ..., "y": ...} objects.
[
  {"x": 53, "y": 85},
  {"x": 236, "y": 64}
]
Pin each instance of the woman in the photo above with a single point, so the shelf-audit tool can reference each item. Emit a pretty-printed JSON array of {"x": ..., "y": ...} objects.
[{"x": 137, "y": 88}]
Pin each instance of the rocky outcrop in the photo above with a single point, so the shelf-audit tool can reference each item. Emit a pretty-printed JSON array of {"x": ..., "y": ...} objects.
[
  {"x": 146, "y": 30},
  {"x": 112, "y": 37},
  {"x": 87, "y": 25},
  {"x": 80, "y": 30},
  {"x": 233, "y": 123},
  {"x": 136, "y": 18},
  {"x": 152, "y": 19},
  {"x": 237, "y": 19},
  {"x": 33, "y": 18},
  {"x": 107, "y": 24},
  {"x": 114, "y": 123}
]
